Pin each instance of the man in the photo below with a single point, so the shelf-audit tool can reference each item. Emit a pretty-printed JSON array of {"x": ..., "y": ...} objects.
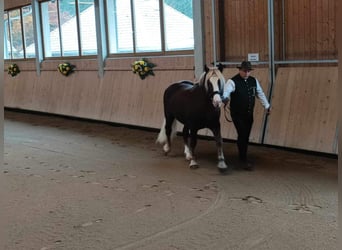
[{"x": 241, "y": 90}]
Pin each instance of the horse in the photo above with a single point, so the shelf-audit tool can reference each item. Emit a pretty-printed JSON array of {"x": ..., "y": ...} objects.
[{"x": 196, "y": 106}]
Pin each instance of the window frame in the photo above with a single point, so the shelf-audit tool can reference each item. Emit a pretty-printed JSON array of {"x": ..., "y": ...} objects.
[
  {"x": 39, "y": 28},
  {"x": 163, "y": 51},
  {"x": 79, "y": 37},
  {"x": 23, "y": 40}
]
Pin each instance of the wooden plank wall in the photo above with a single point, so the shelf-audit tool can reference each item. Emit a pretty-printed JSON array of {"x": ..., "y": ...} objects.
[
  {"x": 310, "y": 29},
  {"x": 304, "y": 99},
  {"x": 120, "y": 96},
  {"x": 10, "y": 4},
  {"x": 208, "y": 28},
  {"x": 245, "y": 29},
  {"x": 304, "y": 114},
  {"x": 304, "y": 30}
]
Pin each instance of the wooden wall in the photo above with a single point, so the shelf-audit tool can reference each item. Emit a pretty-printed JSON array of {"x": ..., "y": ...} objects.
[
  {"x": 120, "y": 96},
  {"x": 309, "y": 29},
  {"x": 10, "y": 4},
  {"x": 304, "y": 114},
  {"x": 303, "y": 29},
  {"x": 304, "y": 109},
  {"x": 244, "y": 29}
]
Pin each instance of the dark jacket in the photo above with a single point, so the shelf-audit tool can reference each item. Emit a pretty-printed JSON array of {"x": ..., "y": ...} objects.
[{"x": 242, "y": 100}]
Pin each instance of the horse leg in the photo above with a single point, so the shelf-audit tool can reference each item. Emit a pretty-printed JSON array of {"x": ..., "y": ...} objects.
[
  {"x": 193, "y": 142},
  {"x": 169, "y": 125},
  {"x": 187, "y": 152},
  {"x": 221, "y": 165}
]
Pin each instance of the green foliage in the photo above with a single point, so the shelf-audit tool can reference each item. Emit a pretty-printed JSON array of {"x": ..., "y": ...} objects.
[
  {"x": 66, "y": 68},
  {"x": 13, "y": 70},
  {"x": 143, "y": 68}
]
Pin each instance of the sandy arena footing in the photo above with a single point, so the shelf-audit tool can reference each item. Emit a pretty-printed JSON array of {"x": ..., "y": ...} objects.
[{"x": 71, "y": 184}]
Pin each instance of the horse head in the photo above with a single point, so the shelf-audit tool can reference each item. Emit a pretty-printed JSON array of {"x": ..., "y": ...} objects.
[{"x": 213, "y": 81}]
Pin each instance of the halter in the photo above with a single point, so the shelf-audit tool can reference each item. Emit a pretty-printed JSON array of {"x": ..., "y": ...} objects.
[
  {"x": 206, "y": 76},
  {"x": 216, "y": 92}
]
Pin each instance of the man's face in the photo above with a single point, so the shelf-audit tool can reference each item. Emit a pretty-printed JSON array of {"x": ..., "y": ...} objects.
[{"x": 244, "y": 73}]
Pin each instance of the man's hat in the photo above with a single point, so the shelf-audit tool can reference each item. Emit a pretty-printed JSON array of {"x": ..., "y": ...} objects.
[{"x": 245, "y": 65}]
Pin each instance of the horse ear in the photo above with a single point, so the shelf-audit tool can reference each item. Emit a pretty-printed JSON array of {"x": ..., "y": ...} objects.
[
  {"x": 206, "y": 69},
  {"x": 220, "y": 67}
]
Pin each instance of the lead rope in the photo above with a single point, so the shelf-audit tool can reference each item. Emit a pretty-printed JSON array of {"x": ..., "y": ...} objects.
[{"x": 226, "y": 112}]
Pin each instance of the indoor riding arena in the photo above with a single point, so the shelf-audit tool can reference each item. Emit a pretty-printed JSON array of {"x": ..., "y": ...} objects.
[{"x": 84, "y": 109}]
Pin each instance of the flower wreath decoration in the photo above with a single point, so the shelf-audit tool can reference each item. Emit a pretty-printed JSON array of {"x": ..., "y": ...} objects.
[
  {"x": 13, "y": 69},
  {"x": 66, "y": 68},
  {"x": 143, "y": 68}
]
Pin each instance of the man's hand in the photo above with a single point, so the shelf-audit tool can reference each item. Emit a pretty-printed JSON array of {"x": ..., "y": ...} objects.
[
  {"x": 268, "y": 111},
  {"x": 225, "y": 101}
]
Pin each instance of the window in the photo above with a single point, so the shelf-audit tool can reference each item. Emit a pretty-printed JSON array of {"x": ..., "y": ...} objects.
[
  {"x": 178, "y": 20},
  {"x": 68, "y": 28},
  {"x": 18, "y": 33},
  {"x": 137, "y": 26}
]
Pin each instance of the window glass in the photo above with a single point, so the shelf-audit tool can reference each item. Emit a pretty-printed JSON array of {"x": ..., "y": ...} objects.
[
  {"x": 19, "y": 33},
  {"x": 28, "y": 32},
  {"x": 16, "y": 34},
  {"x": 87, "y": 27},
  {"x": 137, "y": 28},
  {"x": 68, "y": 26},
  {"x": 50, "y": 25},
  {"x": 147, "y": 25},
  {"x": 178, "y": 19},
  {"x": 7, "y": 41},
  {"x": 120, "y": 30}
]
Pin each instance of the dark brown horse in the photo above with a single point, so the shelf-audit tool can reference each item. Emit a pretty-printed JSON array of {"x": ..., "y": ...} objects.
[{"x": 196, "y": 106}]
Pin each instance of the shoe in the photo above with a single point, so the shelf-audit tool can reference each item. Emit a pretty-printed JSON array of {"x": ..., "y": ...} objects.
[{"x": 247, "y": 165}]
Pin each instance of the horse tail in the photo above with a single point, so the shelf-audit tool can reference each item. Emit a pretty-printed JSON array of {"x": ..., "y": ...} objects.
[{"x": 162, "y": 138}]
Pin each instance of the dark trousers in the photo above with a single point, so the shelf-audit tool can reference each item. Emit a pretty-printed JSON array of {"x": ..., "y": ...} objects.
[{"x": 243, "y": 125}]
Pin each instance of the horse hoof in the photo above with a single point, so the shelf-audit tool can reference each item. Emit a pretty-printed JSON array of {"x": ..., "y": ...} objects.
[
  {"x": 166, "y": 149},
  {"x": 195, "y": 166},
  {"x": 222, "y": 167},
  {"x": 224, "y": 170}
]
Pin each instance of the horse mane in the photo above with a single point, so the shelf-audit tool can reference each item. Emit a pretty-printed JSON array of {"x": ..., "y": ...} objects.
[{"x": 212, "y": 72}]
